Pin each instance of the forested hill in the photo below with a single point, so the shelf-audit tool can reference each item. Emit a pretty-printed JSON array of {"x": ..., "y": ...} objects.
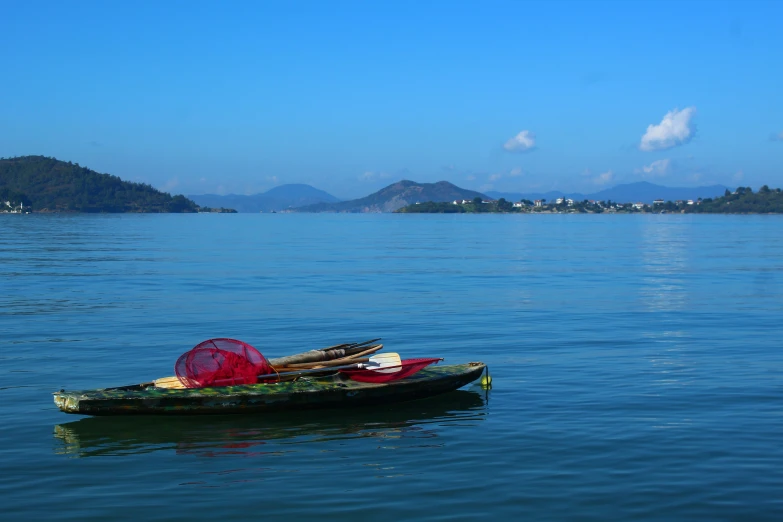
[
  {"x": 743, "y": 201},
  {"x": 396, "y": 196},
  {"x": 48, "y": 184}
]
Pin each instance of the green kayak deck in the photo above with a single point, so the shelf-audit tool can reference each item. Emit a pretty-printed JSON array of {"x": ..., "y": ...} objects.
[{"x": 335, "y": 391}]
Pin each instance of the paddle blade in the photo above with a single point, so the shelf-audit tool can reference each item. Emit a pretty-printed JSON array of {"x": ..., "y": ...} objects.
[
  {"x": 406, "y": 368},
  {"x": 220, "y": 362},
  {"x": 384, "y": 363}
]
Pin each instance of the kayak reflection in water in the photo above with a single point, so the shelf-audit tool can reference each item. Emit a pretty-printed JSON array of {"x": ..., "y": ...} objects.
[{"x": 254, "y": 435}]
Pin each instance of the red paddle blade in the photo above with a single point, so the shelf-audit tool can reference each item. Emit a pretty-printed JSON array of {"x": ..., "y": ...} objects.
[
  {"x": 407, "y": 368},
  {"x": 221, "y": 362}
]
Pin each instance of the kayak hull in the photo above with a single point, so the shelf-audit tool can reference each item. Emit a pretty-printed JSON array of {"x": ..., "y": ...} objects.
[{"x": 335, "y": 391}]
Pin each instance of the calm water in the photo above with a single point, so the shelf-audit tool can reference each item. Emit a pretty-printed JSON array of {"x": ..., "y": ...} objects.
[{"x": 637, "y": 365}]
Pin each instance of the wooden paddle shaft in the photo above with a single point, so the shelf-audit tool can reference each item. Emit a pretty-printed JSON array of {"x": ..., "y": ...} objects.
[
  {"x": 324, "y": 354},
  {"x": 325, "y": 365},
  {"x": 305, "y": 372},
  {"x": 359, "y": 357}
]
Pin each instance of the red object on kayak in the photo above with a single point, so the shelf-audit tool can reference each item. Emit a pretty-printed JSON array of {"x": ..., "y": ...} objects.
[
  {"x": 221, "y": 362},
  {"x": 406, "y": 368}
]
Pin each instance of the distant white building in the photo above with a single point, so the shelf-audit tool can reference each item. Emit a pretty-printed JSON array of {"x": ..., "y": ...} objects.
[
  {"x": 539, "y": 203},
  {"x": 638, "y": 206},
  {"x": 658, "y": 202},
  {"x": 519, "y": 204}
]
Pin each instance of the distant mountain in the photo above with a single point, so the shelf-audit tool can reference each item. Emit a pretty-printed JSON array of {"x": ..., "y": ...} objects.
[
  {"x": 49, "y": 184},
  {"x": 396, "y": 196},
  {"x": 641, "y": 191},
  {"x": 278, "y": 198},
  {"x": 646, "y": 192}
]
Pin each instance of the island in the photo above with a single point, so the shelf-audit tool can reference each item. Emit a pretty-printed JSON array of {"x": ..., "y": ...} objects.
[{"x": 43, "y": 184}]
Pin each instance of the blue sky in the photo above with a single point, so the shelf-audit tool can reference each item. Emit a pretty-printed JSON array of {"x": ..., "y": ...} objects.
[{"x": 238, "y": 97}]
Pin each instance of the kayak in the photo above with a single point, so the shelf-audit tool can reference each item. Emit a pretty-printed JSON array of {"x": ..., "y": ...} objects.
[
  {"x": 331, "y": 391},
  {"x": 242, "y": 434}
]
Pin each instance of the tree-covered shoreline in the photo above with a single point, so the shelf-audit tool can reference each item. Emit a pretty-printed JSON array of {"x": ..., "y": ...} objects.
[
  {"x": 744, "y": 201},
  {"x": 45, "y": 184},
  {"x": 741, "y": 201}
]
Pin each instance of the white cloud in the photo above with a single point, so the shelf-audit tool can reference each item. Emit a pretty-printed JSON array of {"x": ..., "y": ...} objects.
[
  {"x": 604, "y": 178},
  {"x": 776, "y": 137},
  {"x": 370, "y": 175},
  {"x": 516, "y": 171},
  {"x": 523, "y": 142},
  {"x": 675, "y": 129},
  {"x": 738, "y": 175},
  {"x": 486, "y": 187},
  {"x": 657, "y": 168},
  {"x": 170, "y": 185},
  {"x": 470, "y": 177}
]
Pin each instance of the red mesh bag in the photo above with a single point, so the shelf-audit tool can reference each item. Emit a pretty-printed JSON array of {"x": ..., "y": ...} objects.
[
  {"x": 407, "y": 368},
  {"x": 221, "y": 362}
]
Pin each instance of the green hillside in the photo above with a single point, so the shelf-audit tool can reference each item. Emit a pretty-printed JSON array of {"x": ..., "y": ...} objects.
[
  {"x": 48, "y": 184},
  {"x": 742, "y": 201}
]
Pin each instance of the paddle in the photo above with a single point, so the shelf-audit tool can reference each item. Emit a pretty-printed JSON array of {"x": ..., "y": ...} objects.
[
  {"x": 381, "y": 363},
  {"x": 376, "y": 369},
  {"x": 360, "y": 357},
  {"x": 337, "y": 351},
  {"x": 406, "y": 368}
]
